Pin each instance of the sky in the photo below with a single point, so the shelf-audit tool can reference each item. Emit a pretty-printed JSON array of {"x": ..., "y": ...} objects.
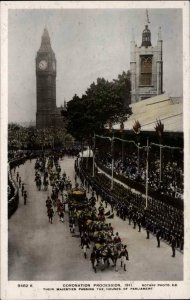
[{"x": 88, "y": 43}]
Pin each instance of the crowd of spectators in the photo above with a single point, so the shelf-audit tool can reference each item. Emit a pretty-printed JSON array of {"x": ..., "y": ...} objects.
[
  {"x": 13, "y": 197},
  {"x": 11, "y": 190},
  {"x": 171, "y": 183}
]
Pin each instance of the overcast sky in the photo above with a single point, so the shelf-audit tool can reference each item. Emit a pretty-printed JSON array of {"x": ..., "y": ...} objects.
[{"x": 88, "y": 43}]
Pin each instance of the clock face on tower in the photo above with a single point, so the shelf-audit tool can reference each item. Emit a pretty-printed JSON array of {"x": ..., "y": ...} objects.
[
  {"x": 42, "y": 65},
  {"x": 53, "y": 65}
]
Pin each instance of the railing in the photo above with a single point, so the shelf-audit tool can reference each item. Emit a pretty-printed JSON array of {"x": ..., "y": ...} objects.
[{"x": 14, "y": 201}]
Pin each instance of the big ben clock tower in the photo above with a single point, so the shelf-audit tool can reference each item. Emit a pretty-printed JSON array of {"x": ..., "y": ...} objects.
[{"x": 46, "y": 84}]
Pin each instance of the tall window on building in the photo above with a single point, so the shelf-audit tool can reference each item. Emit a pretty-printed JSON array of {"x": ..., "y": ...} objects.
[{"x": 146, "y": 70}]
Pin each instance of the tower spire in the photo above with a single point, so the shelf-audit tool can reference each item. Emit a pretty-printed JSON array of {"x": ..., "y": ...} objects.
[{"x": 45, "y": 41}]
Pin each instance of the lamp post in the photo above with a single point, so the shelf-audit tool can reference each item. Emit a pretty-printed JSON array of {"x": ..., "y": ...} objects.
[
  {"x": 112, "y": 160},
  {"x": 159, "y": 131},
  {"x": 122, "y": 145},
  {"x": 112, "y": 153},
  {"x": 137, "y": 129},
  {"x": 94, "y": 146},
  {"x": 138, "y": 158},
  {"x": 147, "y": 149}
]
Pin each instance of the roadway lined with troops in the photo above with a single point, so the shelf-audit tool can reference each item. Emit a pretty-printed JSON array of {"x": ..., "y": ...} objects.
[{"x": 142, "y": 255}]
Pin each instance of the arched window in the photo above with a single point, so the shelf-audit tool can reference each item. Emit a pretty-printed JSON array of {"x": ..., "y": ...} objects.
[{"x": 146, "y": 70}]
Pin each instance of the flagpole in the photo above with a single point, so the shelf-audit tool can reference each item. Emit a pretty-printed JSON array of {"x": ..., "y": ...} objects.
[
  {"x": 138, "y": 159},
  {"x": 112, "y": 161},
  {"x": 160, "y": 163},
  {"x": 94, "y": 156},
  {"x": 147, "y": 175}
]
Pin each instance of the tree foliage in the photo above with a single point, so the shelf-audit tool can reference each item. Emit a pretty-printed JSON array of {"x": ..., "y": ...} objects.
[{"x": 104, "y": 101}]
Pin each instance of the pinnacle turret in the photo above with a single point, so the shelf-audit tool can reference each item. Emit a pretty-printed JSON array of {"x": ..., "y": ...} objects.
[
  {"x": 45, "y": 42},
  {"x": 146, "y": 37}
]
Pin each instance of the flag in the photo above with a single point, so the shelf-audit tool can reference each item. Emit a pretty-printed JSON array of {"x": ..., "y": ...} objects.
[
  {"x": 147, "y": 16},
  {"x": 159, "y": 128},
  {"x": 137, "y": 127},
  {"x": 121, "y": 127},
  {"x": 110, "y": 126}
]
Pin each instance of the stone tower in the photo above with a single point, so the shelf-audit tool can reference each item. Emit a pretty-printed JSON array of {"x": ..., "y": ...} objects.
[
  {"x": 46, "y": 84},
  {"x": 146, "y": 67}
]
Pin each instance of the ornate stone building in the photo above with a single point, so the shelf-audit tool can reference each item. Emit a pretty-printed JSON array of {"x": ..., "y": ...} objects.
[
  {"x": 146, "y": 67},
  {"x": 47, "y": 115}
]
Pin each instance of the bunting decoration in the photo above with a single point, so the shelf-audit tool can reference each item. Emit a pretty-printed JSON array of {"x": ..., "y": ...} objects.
[{"x": 140, "y": 147}]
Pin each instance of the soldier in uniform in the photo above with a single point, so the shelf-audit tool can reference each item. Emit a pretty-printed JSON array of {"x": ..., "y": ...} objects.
[
  {"x": 22, "y": 189},
  {"x": 19, "y": 182},
  {"x": 147, "y": 229},
  {"x": 139, "y": 223},
  {"x": 25, "y": 197},
  {"x": 93, "y": 259},
  {"x": 124, "y": 257},
  {"x": 17, "y": 176},
  {"x": 158, "y": 235},
  {"x": 173, "y": 245},
  {"x": 85, "y": 244}
]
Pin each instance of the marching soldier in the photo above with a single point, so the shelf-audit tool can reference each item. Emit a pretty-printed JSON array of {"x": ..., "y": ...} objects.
[
  {"x": 19, "y": 182},
  {"x": 173, "y": 245},
  {"x": 124, "y": 257},
  {"x": 85, "y": 245},
  {"x": 147, "y": 229},
  {"x": 93, "y": 259},
  {"x": 25, "y": 197},
  {"x": 22, "y": 189},
  {"x": 158, "y": 235},
  {"x": 17, "y": 176}
]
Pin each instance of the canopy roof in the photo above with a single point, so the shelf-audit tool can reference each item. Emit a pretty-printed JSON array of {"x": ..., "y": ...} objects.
[{"x": 168, "y": 110}]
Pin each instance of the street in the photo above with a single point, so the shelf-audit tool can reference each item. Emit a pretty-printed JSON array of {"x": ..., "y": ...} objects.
[{"x": 39, "y": 250}]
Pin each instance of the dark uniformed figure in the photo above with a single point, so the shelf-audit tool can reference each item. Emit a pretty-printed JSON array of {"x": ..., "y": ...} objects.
[
  {"x": 17, "y": 176},
  {"x": 158, "y": 235},
  {"x": 93, "y": 259},
  {"x": 19, "y": 182},
  {"x": 85, "y": 245},
  {"x": 134, "y": 221},
  {"x": 22, "y": 189},
  {"x": 173, "y": 245},
  {"x": 124, "y": 257},
  {"x": 129, "y": 217},
  {"x": 147, "y": 230},
  {"x": 50, "y": 214},
  {"x": 139, "y": 223},
  {"x": 25, "y": 197}
]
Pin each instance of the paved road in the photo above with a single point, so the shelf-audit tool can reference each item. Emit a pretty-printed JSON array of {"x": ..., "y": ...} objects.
[{"x": 39, "y": 250}]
